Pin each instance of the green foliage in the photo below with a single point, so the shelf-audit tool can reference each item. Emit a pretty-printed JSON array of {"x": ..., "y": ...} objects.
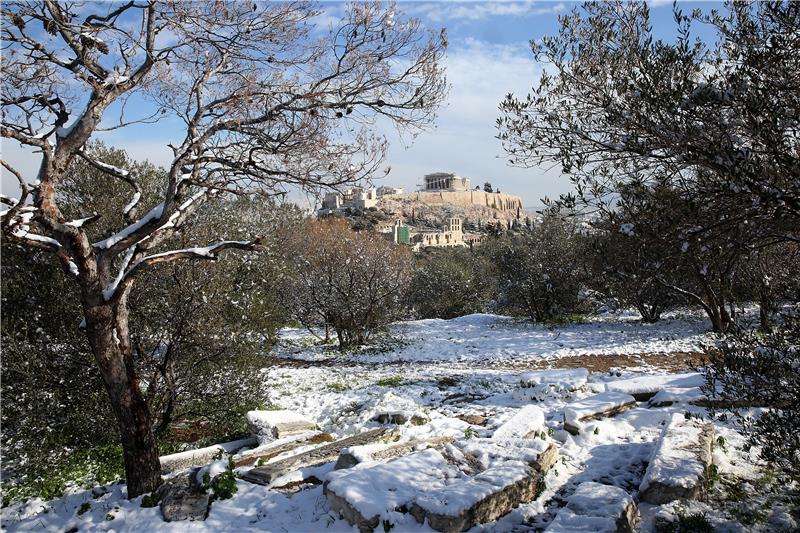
[
  {"x": 539, "y": 273},
  {"x": 224, "y": 485},
  {"x": 390, "y": 381},
  {"x": 469, "y": 433},
  {"x": 151, "y": 500},
  {"x": 337, "y": 387},
  {"x": 753, "y": 369},
  {"x": 450, "y": 282}
]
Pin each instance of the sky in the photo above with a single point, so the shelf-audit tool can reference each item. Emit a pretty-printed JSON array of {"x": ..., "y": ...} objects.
[{"x": 488, "y": 56}]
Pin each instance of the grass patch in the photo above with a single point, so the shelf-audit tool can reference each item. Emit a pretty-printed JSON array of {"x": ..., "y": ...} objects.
[
  {"x": 391, "y": 381},
  {"x": 337, "y": 387}
]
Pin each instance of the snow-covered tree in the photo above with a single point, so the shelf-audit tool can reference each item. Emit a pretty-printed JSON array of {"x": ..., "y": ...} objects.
[
  {"x": 617, "y": 105},
  {"x": 265, "y": 100}
]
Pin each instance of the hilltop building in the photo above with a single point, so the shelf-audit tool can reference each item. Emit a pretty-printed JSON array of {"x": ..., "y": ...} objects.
[
  {"x": 445, "y": 181},
  {"x": 354, "y": 198},
  {"x": 451, "y": 235}
]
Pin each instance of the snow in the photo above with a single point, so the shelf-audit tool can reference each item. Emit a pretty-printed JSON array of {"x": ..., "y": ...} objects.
[
  {"x": 677, "y": 395},
  {"x": 528, "y": 420},
  {"x": 593, "y": 507},
  {"x": 130, "y": 205},
  {"x": 153, "y": 214},
  {"x": 472, "y": 365},
  {"x": 375, "y": 489},
  {"x": 493, "y": 452},
  {"x": 653, "y": 384},
  {"x": 576, "y": 411},
  {"x": 479, "y": 338},
  {"x": 274, "y": 418},
  {"x": 674, "y": 461},
  {"x": 571, "y": 378}
]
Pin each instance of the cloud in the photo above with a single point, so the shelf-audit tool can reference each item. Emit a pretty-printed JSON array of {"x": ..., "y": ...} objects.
[
  {"x": 473, "y": 11},
  {"x": 480, "y": 74}
]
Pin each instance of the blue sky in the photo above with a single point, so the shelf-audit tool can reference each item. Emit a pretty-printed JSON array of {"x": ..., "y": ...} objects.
[{"x": 488, "y": 57}]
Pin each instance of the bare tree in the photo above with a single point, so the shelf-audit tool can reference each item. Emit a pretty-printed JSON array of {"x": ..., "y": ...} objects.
[
  {"x": 265, "y": 102},
  {"x": 353, "y": 282}
]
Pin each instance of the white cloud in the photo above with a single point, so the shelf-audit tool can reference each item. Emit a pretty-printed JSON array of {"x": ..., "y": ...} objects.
[{"x": 441, "y": 11}]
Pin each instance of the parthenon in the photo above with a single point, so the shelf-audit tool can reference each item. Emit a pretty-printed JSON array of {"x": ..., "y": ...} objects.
[{"x": 445, "y": 181}]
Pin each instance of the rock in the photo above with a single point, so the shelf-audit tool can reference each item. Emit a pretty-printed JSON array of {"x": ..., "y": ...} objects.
[
  {"x": 678, "y": 467},
  {"x": 475, "y": 420},
  {"x": 183, "y": 499},
  {"x": 349, "y": 457},
  {"x": 601, "y": 405},
  {"x": 538, "y": 454},
  {"x": 267, "y": 426},
  {"x": 181, "y": 461},
  {"x": 525, "y": 423},
  {"x": 399, "y": 418},
  {"x": 477, "y": 500},
  {"x": 362, "y": 495},
  {"x": 670, "y": 396},
  {"x": 279, "y": 446},
  {"x": 597, "y": 508},
  {"x": 265, "y": 475}
]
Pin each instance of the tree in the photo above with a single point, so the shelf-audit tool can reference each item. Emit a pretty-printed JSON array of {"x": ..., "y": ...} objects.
[
  {"x": 487, "y": 187},
  {"x": 629, "y": 267},
  {"x": 354, "y": 282},
  {"x": 196, "y": 381},
  {"x": 265, "y": 105},
  {"x": 620, "y": 106},
  {"x": 539, "y": 273}
]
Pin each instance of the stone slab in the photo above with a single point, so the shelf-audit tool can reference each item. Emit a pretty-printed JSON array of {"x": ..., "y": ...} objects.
[
  {"x": 265, "y": 475},
  {"x": 597, "y": 508},
  {"x": 678, "y": 467},
  {"x": 603, "y": 405},
  {"x": 478, "y": 500},
  {"x": 349, "y": 457},
  {"x": 270, "y": 425}
]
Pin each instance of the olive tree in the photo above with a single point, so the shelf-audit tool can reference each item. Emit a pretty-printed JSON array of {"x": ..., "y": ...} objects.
[{"x": 265, "y": 103}]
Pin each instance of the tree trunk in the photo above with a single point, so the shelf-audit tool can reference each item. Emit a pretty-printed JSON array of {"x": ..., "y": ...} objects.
[{"x": 108, "y": 336}]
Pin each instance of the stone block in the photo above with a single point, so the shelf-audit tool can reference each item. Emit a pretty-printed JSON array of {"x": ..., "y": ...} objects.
[{"x": 678, "y": 467}]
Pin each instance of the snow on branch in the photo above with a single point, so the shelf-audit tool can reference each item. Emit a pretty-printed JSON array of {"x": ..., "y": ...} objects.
[
  {"x": 129, "y": 211},
  {"x": 206, "y": 252}
]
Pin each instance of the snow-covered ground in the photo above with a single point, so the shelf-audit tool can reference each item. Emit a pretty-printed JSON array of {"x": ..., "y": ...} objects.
[{"x": 455, "y": 372}]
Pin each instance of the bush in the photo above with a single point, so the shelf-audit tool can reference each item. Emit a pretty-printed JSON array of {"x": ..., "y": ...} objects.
[
  {"x": 449, "y": 282},
  {"x": 353, "y": 282},
  {"x": 761, "y": 370},
  {"x": 539, "y": 273}
]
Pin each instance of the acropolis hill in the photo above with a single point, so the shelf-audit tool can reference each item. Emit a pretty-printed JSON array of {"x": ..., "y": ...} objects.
[
  {"x": 442, "y": 195},
  {"x": 445, "y": 195}
]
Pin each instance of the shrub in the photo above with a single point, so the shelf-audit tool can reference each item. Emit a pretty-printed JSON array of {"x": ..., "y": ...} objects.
[{"x": 761, "y": 370}]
